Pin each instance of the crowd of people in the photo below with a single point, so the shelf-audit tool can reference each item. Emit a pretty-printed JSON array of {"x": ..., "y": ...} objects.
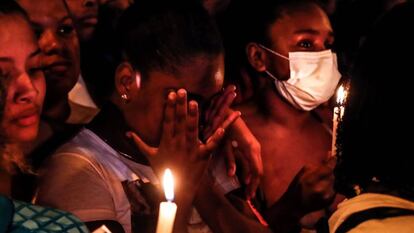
[{"x": 99, "y": 97}]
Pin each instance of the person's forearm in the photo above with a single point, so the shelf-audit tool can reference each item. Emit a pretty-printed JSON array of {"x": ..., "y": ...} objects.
[
  {"x": 220, "y": 214},
  {"x": 184, "y": 203}
]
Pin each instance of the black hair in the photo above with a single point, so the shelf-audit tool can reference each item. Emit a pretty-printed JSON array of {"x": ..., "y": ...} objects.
[
  {"x": 164, "y": 35},
  {"x": 8, "y": 7},
  {"x": 373, "y": 139},
  {"x": 151, "y": 34}
]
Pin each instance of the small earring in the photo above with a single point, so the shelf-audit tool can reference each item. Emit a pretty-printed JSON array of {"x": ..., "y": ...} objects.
[{"x": 125, "y": 98}]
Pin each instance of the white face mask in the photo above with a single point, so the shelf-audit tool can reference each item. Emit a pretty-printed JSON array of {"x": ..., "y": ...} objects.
[{"x": 313, "y": 78}]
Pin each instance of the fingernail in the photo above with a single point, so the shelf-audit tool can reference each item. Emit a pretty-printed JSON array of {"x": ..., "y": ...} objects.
[
  {"x": 234, "y": 144},
  {"x": 182, "y": 92},
  {"x": 128, "y": 134},
  {"x": 220, "y": 131},
  {"x": 193, "y": 105},
  {"x": 171, "y": 95}
]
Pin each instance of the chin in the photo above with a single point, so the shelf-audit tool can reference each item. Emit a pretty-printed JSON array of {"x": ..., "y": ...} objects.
[{"x": 25, "y": 136}]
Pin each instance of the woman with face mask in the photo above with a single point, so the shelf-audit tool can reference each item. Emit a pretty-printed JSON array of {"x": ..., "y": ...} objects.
[
  {"x": 284, "y": 52},
  {"x": 22, "y": 90}
]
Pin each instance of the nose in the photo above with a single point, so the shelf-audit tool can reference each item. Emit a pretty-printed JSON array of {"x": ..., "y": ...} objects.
[
  {"x": 49, "y": 42},
  {"x": 90, "y": 3},
  {"x": 26, "y": 92}
]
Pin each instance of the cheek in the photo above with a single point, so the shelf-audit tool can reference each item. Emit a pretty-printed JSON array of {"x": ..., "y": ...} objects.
[
  {"x": 72, "y": 46},
  {"x": 75, "y": 9},
  {"x": 41, "y": 88},
  {"x": 280, "y": 68}
]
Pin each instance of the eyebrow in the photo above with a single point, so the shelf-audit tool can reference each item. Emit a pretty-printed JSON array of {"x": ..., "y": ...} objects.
[
  {"x": 37, "y": 25},
  {"x": 311, "y": 31},
  {"x": 6, "y": 59}
]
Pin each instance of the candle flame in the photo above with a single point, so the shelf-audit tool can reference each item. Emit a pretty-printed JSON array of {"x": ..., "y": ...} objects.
[
  {"x": 341, "y": 95},
  {"x": 168, "y": 184}
]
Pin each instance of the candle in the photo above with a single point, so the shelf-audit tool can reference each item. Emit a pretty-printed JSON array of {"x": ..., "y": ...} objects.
[
  {"x": 168, "y": 209},
  {"x": 337, "y": 115}
]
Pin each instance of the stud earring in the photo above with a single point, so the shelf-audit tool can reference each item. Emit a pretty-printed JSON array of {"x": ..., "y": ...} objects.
[{"x": 125, "y": 98}]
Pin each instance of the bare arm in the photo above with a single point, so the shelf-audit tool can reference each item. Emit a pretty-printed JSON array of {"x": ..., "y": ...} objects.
[{"x": 221, "y": 215}]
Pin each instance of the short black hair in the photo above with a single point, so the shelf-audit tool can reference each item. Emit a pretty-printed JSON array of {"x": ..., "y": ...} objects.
[
  {"x": 163, "y": 35},
  {"x": 372, "y": 139}
]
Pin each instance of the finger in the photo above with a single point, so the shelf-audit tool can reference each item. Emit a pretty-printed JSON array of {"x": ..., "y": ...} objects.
[
  {"x": 252, "y": 187},
  {"x": 230, "y": 120},
  {"x": 212, "y": 143},
  {"x": 230, "y": 158},
  {"x": 222, "y": 104},
  {"x": 181, "y": 114},
  {"x": 142, "y": 146},
  {"x": 221, "y": 113},
  {"x": 169, "y": 115},
  {"x": 245, "y": 169},
  {"x": 217, "y": 102},
  {"x": 254, "y": 161},
  {"x": 210, "y": 109},
  {"x": 214, "y": 103},
  {"x": 192, "y": 123}
]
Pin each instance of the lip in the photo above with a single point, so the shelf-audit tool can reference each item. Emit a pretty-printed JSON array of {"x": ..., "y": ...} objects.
[
  {"x": 27, "y": 118},
  {"x": 90, "y": 20},
  {"x": 58, "y": 67}
]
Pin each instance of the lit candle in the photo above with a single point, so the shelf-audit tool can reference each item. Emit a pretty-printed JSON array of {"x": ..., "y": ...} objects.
[
  {"x": 338, "y": 114},
  {"x": 168, "y": 209}
]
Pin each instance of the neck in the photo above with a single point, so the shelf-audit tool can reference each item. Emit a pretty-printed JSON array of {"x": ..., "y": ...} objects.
[
  {"x": 57, "y": 111},
  {"x": 279, "y": 110}
]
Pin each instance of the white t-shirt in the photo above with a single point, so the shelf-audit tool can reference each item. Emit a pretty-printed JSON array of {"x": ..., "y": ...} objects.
[
  {"x": 84, "y": 177},
  {"x": 82, "y": 108}
]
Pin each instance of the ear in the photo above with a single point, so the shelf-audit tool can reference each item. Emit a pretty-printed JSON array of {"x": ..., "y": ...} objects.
[
  {"x": 256, "y": 57},
  {"x": 127, "y": 80}
]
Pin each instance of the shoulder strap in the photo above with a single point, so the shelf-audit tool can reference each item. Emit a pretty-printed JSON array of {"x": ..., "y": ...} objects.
[{"x": 374, "y": 213}]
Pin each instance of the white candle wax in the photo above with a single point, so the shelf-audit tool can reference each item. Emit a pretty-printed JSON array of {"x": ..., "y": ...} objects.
[
  {"x": 166, "y": 217},
  {"x": 168, "y": 209}
]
